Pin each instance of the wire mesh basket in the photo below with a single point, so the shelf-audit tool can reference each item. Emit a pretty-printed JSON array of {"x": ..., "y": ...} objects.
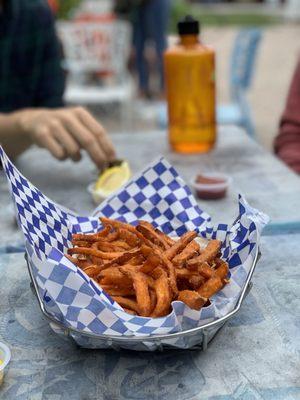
[{"x": 194, "y": 339}]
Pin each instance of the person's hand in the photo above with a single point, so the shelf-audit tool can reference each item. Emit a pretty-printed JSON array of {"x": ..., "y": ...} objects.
[{"x": 65, "y": 131}]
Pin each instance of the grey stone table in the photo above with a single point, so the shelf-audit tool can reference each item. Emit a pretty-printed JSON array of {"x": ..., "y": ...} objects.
[
  {"x": 255, "y": 357},
  {"x": 267, "y": 183}
]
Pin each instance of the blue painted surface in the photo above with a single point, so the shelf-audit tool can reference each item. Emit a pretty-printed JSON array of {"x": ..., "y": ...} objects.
[
  {"x": 282, "y": 228},
  {"x": 251, "y": 393},
  {"x": 256, "y": 356},
  {"x": 249, "y": 315}
]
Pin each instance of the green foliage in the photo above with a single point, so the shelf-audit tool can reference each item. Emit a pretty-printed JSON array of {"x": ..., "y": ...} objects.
[
  {"x": 66, "y": 7},
  {"x": 179, "y": 9},
  {"x": 208, "y": 16}
]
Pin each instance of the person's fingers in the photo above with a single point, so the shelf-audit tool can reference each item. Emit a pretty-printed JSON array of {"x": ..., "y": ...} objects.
[
  {"x": 66, "y": 140},
  {"x": 97, "y": 129},
  {"x": 42, "y": 137},
  {"x": 85, "y": 139}
]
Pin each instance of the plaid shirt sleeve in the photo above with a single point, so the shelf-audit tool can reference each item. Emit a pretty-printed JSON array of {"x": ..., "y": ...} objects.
[
  {"x": 30, "y": 57},
  {"x": 287, "y": 143},
  {"x": 51, "y": 78}
]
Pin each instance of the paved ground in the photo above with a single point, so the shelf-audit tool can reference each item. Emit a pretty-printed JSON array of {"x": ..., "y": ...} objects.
[{"x": 275, "y": 63}]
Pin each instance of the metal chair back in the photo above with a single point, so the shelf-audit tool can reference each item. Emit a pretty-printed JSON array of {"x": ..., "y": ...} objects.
[
  {"x": 94, "y": 47},
  {"x": 243, "y": 60}
]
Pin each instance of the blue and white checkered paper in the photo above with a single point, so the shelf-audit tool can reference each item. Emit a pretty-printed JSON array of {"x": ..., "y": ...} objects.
[{"x": 157, "y": 195}]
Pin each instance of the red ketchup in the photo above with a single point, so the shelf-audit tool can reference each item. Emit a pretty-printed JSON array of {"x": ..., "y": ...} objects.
[{"x": 211, "y": 186}]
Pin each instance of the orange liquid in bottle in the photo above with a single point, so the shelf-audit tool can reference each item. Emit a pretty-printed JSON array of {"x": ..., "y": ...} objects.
[{"x": 190, "y": 90}]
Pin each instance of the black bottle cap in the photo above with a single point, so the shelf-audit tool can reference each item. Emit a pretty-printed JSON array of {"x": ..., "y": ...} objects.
[{"x": 188, "y": 26}]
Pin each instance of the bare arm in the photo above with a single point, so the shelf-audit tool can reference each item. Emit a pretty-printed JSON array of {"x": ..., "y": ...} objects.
[
  {"x": 13, "y": 140},
  {"x": 64, "y": 132}
]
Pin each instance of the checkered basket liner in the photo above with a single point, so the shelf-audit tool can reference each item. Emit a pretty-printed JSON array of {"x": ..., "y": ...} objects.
[{"x": 158, "y": 195}]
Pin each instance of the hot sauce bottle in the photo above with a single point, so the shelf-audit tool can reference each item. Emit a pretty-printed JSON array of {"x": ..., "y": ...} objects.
[{"x": 190, "y": 90}]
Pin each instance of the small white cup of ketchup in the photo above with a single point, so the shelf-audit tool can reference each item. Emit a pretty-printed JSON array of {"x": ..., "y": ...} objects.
[{"x": 211, "y": 185}]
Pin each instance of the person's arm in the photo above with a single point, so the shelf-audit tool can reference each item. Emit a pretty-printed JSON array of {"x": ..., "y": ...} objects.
[
  {"x": 50, "y": 83},
  {"x": 287, "y": 143},
  {"x": 64, "y": 132},
  {"x": 13, "y": 140}
]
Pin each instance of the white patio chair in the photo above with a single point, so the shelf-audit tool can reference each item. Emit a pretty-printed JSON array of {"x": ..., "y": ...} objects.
[{"x": 94, "y": 48}]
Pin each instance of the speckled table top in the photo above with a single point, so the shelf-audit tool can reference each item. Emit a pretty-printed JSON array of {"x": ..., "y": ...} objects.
[
  {"x": 256, "y": 355},
  {"x": 267, "y": 184}
]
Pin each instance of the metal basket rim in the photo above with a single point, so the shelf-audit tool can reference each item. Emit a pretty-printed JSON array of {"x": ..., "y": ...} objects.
[{"x": 154, "y": 338}]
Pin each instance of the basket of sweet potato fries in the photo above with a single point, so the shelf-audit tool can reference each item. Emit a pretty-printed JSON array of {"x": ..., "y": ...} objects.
[{"x": 146, "y": 271}]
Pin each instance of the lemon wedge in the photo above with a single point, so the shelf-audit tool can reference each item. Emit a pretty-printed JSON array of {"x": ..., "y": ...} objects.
[{"x": 112, "y": 179}]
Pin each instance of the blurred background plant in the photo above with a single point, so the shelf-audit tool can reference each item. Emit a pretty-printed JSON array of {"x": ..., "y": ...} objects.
[
  {"x": 214, "y": 14},
  {"x": 210, "y": 14},
  {"x": 66, "y": 8}
]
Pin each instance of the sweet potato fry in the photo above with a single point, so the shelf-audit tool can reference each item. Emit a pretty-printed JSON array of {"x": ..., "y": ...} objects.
[
  {"x": 126, "y": 303},
  {"x": 149, "y": 233},
  {"x": 164, "y": 262},
  {"x": 80, "y": 263},
  {"x": 146, "y": 224},
  {"x": 94, "y": 259},
  {"x": 205, "y": 270},
  {"x": 195, "y": 281},
  {"x": 91, "y": 237},
  {"x": 146, "y": 250},
  {"x": 180, "y": 245},
  {"x": 158, "y": 272},
  {"x": 191, "y": 250},
  {"x": 113, "y": 276},
  {"x": 129, "y": 237},
  {"x": 192, "y": 299},
  {"x": 111, "y": 236},
  {"x": 92, "y": 270},
  {"x": 97, "y": 260},
  {"x": 163, "y": 296},
  {"x": 168, "y": 240},
  {"x": 222, "y": 270},
  {"x": 144, "y": 270},
  {"x": 115, "y": 246},
  {"x": 129, "y": 311},
  {"x": 152, "y": 299},
  {"x": 150, "y": 264},
  {"x": 131, "y": 270},
  {"x": 108, "y": 271},
  {"x": 184, "y": 273},
  {"x": 73, "y": 260},
  {"x": 119, "y": 225},
  {"x": 81, "y": 243},
  {"x": 115, "y": 279},
  {"x": 121, "y": 244},
  {"x": 141, "y": 286},
  {"x": 93, "y": 252},
  {"x": 129, "y": 267},
  {"x": 137, "y": 260},
  {"x": 118, "y": 291},
  {"x": 151, "y": 282},
  {"x": 171, "y": 271},
  {"x": 124, "y": 257},
  {"x": 209, "y": 253},
  {"x": 210, "y": 287}
]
